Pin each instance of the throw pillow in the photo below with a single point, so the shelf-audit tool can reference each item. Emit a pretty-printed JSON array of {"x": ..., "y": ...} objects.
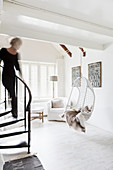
[{"x": 58, "y": 103}]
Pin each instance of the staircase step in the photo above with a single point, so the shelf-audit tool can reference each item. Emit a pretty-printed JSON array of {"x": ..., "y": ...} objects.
[
  {"x": 10, "y": 121},
  {"x": 13, "y": 132},
  {"x": 4, "y": 112},
  {"x": 2, "y": 101},
  {"x": 18, "y": 145}
]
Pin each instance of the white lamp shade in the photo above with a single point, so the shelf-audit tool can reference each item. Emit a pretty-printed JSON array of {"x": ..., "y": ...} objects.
[{"x": 53, "y": 78}]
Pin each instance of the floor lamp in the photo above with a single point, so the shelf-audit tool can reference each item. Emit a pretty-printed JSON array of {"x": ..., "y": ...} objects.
[{"x": 53, "y": 78}]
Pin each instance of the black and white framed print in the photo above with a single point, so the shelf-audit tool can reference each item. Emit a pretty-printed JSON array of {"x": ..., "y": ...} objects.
[
  {"x": 95, "y": 74},
  {"x": 76, "y": 72}
]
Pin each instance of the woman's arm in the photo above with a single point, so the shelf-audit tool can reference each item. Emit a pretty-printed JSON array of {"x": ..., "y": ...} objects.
[
  {"x": 17, "y": 65},
  {"x": 1, "y": 54}
]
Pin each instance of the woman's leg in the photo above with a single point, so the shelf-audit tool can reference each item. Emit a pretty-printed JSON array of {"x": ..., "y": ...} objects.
[
  {"x": 13, "y": 102},
  {"x": 9, "y": 84}
]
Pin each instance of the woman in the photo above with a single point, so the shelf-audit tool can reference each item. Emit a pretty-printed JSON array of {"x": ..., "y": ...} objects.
[{"x": 10, "y": 58}]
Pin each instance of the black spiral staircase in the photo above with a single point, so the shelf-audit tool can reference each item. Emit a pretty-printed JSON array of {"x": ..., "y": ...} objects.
[{"x": 26, "y": 118}]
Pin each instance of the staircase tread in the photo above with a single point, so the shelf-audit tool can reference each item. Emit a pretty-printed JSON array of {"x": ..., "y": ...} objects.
[
  {"x": 14, "y": 143},
  {"x": 2, "y": 101},
  {"x": 5, "y": 110},
  {"x": 11, "y": 119},
  {"x": 21, "y": 129}
]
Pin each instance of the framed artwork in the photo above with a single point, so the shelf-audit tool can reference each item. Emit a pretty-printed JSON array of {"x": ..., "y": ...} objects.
[
  {"x": 76, "y": 72},
  {"x": 95, "y": 74}
]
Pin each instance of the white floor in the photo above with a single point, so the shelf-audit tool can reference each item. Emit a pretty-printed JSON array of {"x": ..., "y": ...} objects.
[{"x": 61, "y": 148}]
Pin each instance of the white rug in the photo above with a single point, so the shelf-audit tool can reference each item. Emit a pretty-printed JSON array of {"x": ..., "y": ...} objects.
[{"x": 61, "y": 148}]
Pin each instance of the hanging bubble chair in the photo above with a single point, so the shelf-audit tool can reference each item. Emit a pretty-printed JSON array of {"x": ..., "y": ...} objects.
[
  {"x": 82, "y": 97},
  {"x": 81, "y": 101}
]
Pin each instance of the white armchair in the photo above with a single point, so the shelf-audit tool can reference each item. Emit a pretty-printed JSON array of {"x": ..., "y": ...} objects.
[{"x": 56, "y": 107}]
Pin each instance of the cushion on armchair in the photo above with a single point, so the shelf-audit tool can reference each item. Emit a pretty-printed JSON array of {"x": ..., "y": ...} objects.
[{"x": 57, "y": 103}]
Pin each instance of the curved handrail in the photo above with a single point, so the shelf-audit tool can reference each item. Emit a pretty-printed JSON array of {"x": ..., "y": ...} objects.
[{"x": 29, "y": 91}]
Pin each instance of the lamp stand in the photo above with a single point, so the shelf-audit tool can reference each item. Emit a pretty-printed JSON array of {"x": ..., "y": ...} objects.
[
  {"x": 53, "y": 78},
  {"x": 53, "y": 90}
]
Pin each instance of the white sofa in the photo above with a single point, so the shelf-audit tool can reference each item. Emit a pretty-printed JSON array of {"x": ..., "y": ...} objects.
[{"x": 55, "y": 111}]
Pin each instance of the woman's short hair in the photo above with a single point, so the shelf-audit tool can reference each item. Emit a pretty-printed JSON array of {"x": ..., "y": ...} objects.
[{"x": 14, "y": 40}]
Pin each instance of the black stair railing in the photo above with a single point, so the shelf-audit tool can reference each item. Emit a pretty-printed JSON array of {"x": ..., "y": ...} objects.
[{"x": 27, "y": 111}]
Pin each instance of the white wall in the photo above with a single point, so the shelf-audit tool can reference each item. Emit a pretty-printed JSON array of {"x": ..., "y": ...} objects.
[
  {"x": 61, "y": 77},
  {"x": 103, "y": 113},
  {"x": 69, "y": 63},
  {"x": 33, "y": 50}
]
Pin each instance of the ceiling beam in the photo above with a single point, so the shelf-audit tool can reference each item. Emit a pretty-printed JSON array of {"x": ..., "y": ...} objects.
[
  {"x": 16, "y": 30},
  {"x": 12, "y": 26},
  {"x": 59, "y": 18}
]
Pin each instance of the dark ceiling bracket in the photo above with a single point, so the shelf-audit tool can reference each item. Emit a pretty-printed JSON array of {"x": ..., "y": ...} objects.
[
  {"x": 83, "y": 52},
  {"x": 66, "y": 50}
]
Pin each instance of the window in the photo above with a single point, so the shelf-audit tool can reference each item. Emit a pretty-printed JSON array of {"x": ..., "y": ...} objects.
[
  {"x": 43, "y": 80},
  {"x": 36, "y": 75},
  {"x": 34, "y": 80}
]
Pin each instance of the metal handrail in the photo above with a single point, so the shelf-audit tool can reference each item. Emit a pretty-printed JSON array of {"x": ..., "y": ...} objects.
[{"x": 29, "y": 91}]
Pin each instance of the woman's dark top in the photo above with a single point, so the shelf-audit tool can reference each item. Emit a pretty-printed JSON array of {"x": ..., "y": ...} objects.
[{"x": 10, "y": 62}]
